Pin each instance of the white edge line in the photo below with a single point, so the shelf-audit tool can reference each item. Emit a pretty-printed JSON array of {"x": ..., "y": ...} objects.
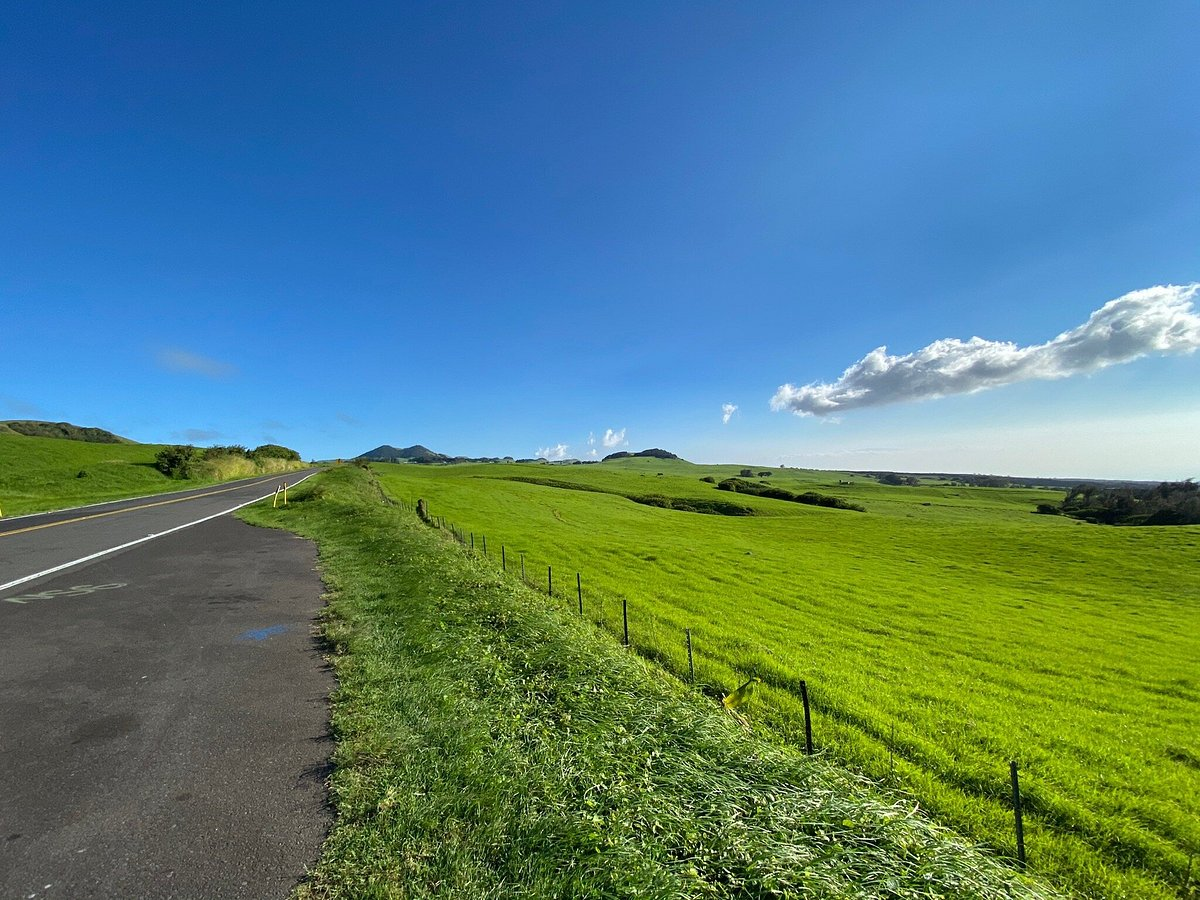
[
  {"x": 149, "y": 537},
  {"x": 47, "y": 512}
]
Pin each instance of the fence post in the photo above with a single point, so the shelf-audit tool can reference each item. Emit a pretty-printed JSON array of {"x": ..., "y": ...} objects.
[
  {"x": 522, "y": 566},
  {"x": 625, "y": 617},
  {"x": 691, "y": 667},
  {"x": 472, "y": 540},
  {"x": 808, "y": 748},
  {"x": 503, "y": 560},
  {"x": 549, "y": 581},
  {"x": 485, "y": 545},
  {"x": 1017, "y": 819},
  {"x": 579, "y": 591}
]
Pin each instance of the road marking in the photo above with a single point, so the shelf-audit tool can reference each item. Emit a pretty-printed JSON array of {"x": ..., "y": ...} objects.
[
  {"x": 114, "y": 512},
  {"x": 149, "y": 537},
  {"x": 76, "y": 591}
]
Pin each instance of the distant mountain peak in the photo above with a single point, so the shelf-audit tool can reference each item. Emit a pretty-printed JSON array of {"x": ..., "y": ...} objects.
[
  {"x": 415, "y": 453},
  {"x": 652, "y": 452}
]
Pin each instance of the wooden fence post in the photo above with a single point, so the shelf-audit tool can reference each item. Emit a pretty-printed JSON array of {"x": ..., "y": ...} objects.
[
  {"x": 808, "y": 747},
  {"x": 1017, "y": 818},
  {"x": 691, "y": 668}
]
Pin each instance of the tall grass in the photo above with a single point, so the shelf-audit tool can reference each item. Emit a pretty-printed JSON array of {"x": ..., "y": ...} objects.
[{"x": 490, "y": 744}]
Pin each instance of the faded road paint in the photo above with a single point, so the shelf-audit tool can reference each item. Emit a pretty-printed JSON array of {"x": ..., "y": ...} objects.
[{"x": 77, "y": 591}]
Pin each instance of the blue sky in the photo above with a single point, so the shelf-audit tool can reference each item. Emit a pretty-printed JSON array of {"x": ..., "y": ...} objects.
[{"x": 496, "y": 229}]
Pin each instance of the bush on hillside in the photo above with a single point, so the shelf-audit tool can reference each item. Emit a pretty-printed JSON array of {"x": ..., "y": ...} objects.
[
  {"x": 274, "y": 451},
  {"x": 176, "y": 461},
  {"x": 217, "y": 451}
]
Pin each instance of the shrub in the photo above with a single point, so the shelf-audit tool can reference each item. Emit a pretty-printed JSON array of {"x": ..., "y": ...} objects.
[
  {"x": 217, "y": 451},
  {"x": 176, "y": 461},
  {"x": 709, "y": 479},
  {"x": 274, "y": 451}
]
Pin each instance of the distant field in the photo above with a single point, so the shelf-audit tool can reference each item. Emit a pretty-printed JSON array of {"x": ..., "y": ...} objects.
[
  {"x": 39, "y": 473},
  {"x": 943, "y": 632}
]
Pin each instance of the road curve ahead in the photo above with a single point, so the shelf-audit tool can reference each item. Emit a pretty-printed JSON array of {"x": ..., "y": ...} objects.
[{"x": 163, "y": 707}]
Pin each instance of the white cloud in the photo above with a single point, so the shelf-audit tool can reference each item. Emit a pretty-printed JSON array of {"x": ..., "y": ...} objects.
[
  {"x": 176, "y": 360},
  {"x": 727, "y": 411},
  {"x": 614, "y": 438},
  {"x": 557, "y": 452},
  {"x": 591, "y": 439},
  {"x": 592, "y": 453},
  {"x": 1155, "y": 320}
]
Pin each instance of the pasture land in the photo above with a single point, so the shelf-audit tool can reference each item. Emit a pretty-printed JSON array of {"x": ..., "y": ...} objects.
[
  {"x": 942, "y": 632},
  {"x": 38, "y": 474},
  {"x": 492, "y": 745}
]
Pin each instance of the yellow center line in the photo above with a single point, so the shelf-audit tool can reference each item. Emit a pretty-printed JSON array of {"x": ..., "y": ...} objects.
[{"x": 114, "y": 512}]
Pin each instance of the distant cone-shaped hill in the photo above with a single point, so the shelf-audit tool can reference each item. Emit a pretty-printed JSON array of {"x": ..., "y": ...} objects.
[
  {"x": 415, "y": 453},
  {"x": 61, "y": 430},
  {"x": 652, "y": 452}
]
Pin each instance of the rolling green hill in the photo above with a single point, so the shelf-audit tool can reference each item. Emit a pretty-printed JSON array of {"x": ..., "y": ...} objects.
[
  {"x": 65, "y": 430},
  {"x": 943, "y": 632}
]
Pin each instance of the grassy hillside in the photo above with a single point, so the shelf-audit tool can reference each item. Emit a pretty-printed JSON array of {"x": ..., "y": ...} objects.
[
  {"x": 38, "y": 473},
  {"x": 943, "y": 632},
  {"x": 491, "y": 744},
  {"x": 65, "y": 430}
]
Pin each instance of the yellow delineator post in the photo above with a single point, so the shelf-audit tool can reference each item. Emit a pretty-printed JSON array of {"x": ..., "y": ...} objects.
[
  {"x": 275, "y": 499},
  {"x": 285, "y": 493}
]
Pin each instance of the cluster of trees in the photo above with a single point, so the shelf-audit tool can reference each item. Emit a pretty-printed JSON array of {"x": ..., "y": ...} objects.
[
  {"x": 1170, "y": 503},
  {"x": 179, "y": 461},
  {"x": 895, "y": 478}
]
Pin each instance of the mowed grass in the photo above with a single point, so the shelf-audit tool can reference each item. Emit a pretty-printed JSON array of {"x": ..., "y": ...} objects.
[
  {"x": 492, "y": 745},
  {"x": 38, "y": 474},
  {"x": 942, "y": 633}
]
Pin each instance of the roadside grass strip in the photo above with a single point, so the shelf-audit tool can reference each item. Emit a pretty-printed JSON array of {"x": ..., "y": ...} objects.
[{"x": 490, "y": 744}]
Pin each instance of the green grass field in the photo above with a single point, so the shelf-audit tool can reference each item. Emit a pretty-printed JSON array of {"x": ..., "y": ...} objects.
[
  {"x": 942, "y": 633},
  {"x": 38, "y": 473},
  {"x": 492, "y": 745}
]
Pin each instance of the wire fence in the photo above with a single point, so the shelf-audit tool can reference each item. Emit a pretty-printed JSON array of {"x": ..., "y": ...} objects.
[{"x": 477, "y": 545}]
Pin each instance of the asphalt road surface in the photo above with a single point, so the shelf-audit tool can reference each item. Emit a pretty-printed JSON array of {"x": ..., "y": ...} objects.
[{"x": 163, "y": 707}]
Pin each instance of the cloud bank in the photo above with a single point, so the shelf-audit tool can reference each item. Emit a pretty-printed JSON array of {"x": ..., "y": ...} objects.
[
  {"x": 175, "y": 360},
  {"x": 557, "y": 452},
  {"x": 614, "y": 438},
  {"x": 727, "y": 411},
  {"x": 1155, "y": 320}
]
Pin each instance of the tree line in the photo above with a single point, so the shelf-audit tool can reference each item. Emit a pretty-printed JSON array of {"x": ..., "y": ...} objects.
[{"x": 1170, "y": 503}]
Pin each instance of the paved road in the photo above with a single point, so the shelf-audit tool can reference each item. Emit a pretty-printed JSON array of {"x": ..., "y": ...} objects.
[
  {"x": 33, "y": 544},
  {"x": 163, "y": 708}
]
